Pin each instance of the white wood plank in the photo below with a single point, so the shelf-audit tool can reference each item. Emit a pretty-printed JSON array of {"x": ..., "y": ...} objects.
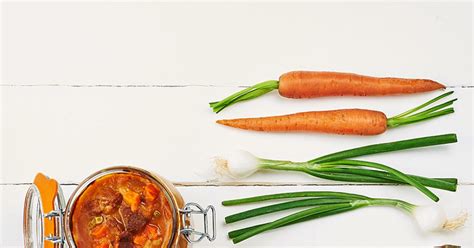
[
  {"x": 68, "y": 133},
  {"x": 231, "y": 43},
  {"x": 375, "y": 226}
]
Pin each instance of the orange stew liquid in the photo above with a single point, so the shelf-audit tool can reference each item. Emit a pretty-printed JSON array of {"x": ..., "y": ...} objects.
[{"x": 122, "y": 210}]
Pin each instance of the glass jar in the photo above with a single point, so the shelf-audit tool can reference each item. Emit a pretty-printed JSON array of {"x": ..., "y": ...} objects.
[{"x": 48, "y": 218}]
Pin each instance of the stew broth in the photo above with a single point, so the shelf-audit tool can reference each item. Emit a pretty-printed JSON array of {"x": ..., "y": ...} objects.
[{"x": 122, "y": 210}]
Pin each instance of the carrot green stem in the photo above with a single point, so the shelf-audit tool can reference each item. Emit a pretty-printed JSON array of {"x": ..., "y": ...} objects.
[
  {"x": 411, "y": 116},
  {"x": 387, "y": 147},
  {"x": 245, "y": 94},
  {"x": 424, "y": 104},
  {"x": 438, "y": 107},
  {"x": 391, "y": 123}
]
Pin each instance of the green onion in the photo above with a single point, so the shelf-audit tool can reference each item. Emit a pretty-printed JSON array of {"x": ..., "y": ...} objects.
[
  {"x": 356, "y": 171},
  {"x": 99, "y": 219},
  {"x": 301, "y": 194},
  {"x": 322, "y": 204},
  {"x": 387, "y": 147},
  {"x": 284, "y": 206},
  {"x": 409, "y": 180},
  {"x": 384, "y": 177},
  {"x": 337, "y": 167},
  {"x": 288, "y": 219},
  {"x": 235, "y": 233}
]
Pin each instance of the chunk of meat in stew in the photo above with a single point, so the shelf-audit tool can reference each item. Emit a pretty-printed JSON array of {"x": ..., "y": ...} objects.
[
  {"x": 133, "y": 222},
  {"x": 122, "y": 210},
  {"x": 106, "y": 201}
]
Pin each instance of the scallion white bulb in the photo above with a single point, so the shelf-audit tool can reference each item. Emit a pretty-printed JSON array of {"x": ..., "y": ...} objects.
[
  {"x": 432, "y": 218},
  {"x": 236, "y": 165}
]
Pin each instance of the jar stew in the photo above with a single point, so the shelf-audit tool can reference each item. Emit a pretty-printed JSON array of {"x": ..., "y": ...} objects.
[{"x": 122, "y": 210}]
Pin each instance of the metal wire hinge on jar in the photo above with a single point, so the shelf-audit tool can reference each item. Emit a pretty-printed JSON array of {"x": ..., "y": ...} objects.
[
  {"x": 35, "y": 218},
  {"x": 188, "y": 231},
  {"x": 58, "y": 215}
]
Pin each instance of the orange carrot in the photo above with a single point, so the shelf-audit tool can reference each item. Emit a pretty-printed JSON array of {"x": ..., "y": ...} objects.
[
  {"x": 102, "y": 245},
  {"x": 151, "y": 192},
  {"x": 99, "y": 231},
  {"x": 344, "y": 121},
  {"x": 131, "y": 198},
  {"x": 149, "y": 233},
  {"x": 307, "y": 84}
]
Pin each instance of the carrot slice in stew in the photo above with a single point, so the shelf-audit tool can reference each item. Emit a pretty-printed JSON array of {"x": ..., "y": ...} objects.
[
  {"x": 131, "y": 198},
  {"x": 140, "y": 239},
  {"x": 99, "y": 231},
  {"x": 149, "y": 233},
  {"x": 102, "y": 245},
  {"x": 152, "y": 232},
  {"x": 151, "y": 192}
]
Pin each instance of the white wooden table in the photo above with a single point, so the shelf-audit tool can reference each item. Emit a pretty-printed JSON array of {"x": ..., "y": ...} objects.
[{"x": 90, "y": 85}]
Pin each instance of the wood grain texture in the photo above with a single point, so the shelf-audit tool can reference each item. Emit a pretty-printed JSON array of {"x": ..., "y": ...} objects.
[
  {"x": 83, "y": 88},
  {"x": 232, "y": 43}
]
